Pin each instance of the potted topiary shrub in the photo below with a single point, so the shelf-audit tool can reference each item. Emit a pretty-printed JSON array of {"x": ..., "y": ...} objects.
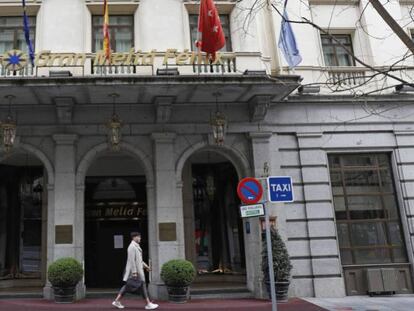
[
  {"x": 178, "y": 274},
  {"x": 64, "y": 274},
  {"x": 281, "y": 265}
]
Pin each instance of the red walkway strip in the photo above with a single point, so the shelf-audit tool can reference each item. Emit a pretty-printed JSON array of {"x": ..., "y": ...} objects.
[{"x": 135, "y": 304}]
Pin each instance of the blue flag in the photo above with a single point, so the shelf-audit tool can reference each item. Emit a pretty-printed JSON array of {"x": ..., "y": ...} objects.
[
  {"x": 287, "y": 42},
  {"x": 26, "y": 29}
]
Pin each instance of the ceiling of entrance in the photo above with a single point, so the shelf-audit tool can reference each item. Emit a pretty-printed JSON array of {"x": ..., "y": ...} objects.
[{"x": 115, "y": 164}]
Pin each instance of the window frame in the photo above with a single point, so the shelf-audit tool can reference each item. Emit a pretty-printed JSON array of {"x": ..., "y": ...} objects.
[
  {"x": 386, "y": 221},
  {"x": 111, "y": 26},
  {"x": 16, "y": 29},
  {"x": 228, "y": 46},
  {"x": 335, "y": 46}
]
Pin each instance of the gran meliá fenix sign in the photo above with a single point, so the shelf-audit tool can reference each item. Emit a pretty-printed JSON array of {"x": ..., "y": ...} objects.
[{"x": 15, "y": 60}]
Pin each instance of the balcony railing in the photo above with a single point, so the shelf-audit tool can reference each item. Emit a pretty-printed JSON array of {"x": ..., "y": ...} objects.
[
  {"x": 91, "y": 65},
  {"x": 348, "y": 76}
]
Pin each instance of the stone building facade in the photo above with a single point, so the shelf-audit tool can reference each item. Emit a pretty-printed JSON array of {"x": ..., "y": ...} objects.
[{"x": 65, "y": 192}]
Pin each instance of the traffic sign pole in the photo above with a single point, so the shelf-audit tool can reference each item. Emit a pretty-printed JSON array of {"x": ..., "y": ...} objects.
[{"x": 270, "y": 256}]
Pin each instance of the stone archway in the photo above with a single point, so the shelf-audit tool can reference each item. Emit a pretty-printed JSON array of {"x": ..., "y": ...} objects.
[
  {"x": 27, "y": 181},
  {"x": 239, "y": 161},
  {"x": 231, "y": 160},
  {"x": 142, "y": 160}
]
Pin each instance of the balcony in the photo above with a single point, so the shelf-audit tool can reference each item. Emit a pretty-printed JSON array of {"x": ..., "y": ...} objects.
[{"x": 127, "y": 64}]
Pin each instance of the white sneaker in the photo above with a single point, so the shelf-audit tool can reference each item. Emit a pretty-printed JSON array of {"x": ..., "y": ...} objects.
[
  {"x": 117, "y": 304},
  {"x": 151, "y": 306}
]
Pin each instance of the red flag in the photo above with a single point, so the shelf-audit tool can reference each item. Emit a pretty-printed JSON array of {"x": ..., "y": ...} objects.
[
  {"x": 212, "y": 35},
  {"x": 106, "y": 39}
]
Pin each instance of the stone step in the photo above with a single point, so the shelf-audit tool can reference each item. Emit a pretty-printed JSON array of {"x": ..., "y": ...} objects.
[{"x": 20, "y": 295}]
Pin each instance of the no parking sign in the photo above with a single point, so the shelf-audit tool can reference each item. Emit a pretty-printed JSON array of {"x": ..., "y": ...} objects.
[{"x": 250, "y": 190}]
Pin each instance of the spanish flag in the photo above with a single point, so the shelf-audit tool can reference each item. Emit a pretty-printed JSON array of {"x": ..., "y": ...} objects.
[{"x": 106, "y": 39}]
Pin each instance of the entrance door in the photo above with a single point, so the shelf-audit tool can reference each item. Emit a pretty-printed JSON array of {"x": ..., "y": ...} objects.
[
  {"x": 114, "y": 207},
  {"x": 21, "y": 209},
  {"x": 214, "y": 230}
]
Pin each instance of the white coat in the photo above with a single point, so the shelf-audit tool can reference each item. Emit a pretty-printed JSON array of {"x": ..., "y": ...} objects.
[{"x": 134, "y": 264}]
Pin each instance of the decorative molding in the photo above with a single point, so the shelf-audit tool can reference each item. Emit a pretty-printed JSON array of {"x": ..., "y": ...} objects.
[
  {"x": 163, "y": 106},
  {"x": 14, "y": 7},
  {"x": 258, "y": 106},
  {"x": 64, "y": 109},
  {"x": 223, "y": 6},
  {"x": 115, "y": 6},
  {"x": 310, "y": 135},
  {"x": 260, "y": 136},
  {"x": 166, "y": 138},
  {"x": 65, "y": 139}
]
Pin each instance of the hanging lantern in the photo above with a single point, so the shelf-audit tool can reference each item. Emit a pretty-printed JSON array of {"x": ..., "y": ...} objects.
[
  {"x": 218, "y": 124},
  {"x": 37, "y": 191},
  {"x": 114, "y": 134},
  {"x": 114, "y": 125},
  {"x": 26, "y": 182},
  {"x": 8, "y": 133},
  {"x": 210, "y": 187}
]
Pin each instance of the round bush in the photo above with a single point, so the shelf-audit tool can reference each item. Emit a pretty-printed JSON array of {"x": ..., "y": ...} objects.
[
  {"x": 65, "y": 272},
  {"x": 178, "y": 272}
]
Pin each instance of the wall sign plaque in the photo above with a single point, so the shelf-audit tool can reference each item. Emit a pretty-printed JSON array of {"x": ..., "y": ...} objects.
[
  {"x": 167, "y": 231},
  {"x": 63, "y": 234}
]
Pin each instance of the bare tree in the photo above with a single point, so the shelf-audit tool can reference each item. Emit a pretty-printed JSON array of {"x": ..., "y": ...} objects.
[{"x": 376, "y": 79}]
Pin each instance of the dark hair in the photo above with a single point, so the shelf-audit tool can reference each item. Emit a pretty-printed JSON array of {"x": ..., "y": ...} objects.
[{"x": 134, "y": 234}]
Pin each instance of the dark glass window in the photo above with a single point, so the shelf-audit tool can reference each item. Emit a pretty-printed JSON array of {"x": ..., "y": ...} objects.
[
  {"x": 333, "y": 53},
  {"x": 12, "y": 33},
  {"x": 121, "y": 32},
  {"x": 225, "y": 24},
  {"x": 366, "y": 210}
]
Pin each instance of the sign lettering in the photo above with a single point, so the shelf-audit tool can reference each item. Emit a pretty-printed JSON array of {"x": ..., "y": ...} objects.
[{"x": 16, "y": 59}]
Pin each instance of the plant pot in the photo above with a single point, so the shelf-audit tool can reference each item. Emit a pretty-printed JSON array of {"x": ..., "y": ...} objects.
[
  {"x": 64, "y": 294},
  {"x": 281, "y": 290},
  {"x": 177, "y": 294}
]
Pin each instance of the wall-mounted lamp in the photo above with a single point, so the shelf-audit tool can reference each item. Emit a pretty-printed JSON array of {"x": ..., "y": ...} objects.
[{"x": 8, "y": 128}]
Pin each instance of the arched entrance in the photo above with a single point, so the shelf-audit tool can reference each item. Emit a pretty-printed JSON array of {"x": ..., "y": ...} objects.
[
  {"x": 23, "y": 213},
  {"x": 213, "y": 227},
  {"x": 115, "y": 204}
]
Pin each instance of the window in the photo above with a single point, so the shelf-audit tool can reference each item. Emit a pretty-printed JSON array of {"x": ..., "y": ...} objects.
[
  {"x": 121, "y": 31},
  {"x": 333, "y": 53},
  {"x": 366, "y": 211},
  {"x": 225, "y": 24},
  {"x": 12, "y": 34}
]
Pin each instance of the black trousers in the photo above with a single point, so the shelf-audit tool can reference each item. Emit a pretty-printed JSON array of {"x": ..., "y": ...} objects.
[{"x": 143, "y": 291}]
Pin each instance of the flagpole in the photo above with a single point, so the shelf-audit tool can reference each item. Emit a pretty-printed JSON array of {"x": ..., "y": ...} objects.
[{"x": 272, "y": 46}]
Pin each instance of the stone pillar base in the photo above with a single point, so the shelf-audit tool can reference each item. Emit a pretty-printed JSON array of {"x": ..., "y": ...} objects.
[
  {"x": 158, "y": 291},
  {"x": 48, "y": 292},
  {"x": 80, "y": 291},
  {"x": 79, "y": 294}
]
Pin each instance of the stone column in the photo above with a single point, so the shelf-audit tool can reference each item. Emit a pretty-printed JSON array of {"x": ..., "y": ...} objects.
[
  {"x": 65, "y": 229},
  {"x": 169, "y": 231},
  {"x": 326, "y": 269},
  {"x": 261, "y": 154}
]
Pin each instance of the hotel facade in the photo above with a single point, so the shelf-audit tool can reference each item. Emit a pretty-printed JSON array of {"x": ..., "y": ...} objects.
[{"x": 102, "y": 150}]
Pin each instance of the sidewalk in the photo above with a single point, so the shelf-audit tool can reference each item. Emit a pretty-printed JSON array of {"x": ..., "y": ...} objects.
[
  {"x": 366, "y": 303},
  {"x": 135, "y": 304}
]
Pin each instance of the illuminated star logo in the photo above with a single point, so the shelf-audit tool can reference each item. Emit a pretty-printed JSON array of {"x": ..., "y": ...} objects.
[
  {"x": 15, "y": 60},
  {"x": 210, "y": 13},
  {"x": 215, "y": 28}
]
